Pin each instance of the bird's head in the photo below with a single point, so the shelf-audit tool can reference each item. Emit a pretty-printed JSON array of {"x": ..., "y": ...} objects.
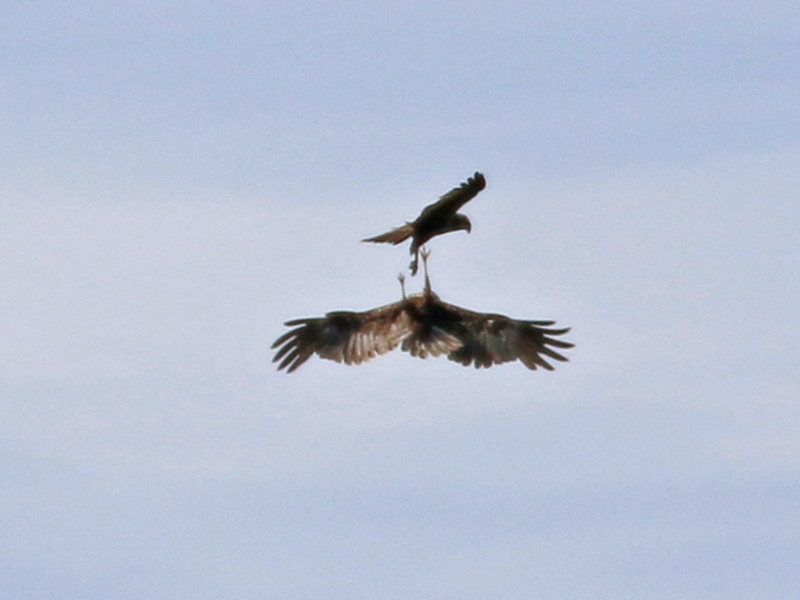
[{"x": 460, "y": 221}]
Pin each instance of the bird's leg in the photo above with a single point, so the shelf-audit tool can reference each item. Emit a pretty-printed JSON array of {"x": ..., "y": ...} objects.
[
  {"x": 425, "y": 254},
  {"x": 402, "y": 279},
  {"x": 414, "y": 263}
]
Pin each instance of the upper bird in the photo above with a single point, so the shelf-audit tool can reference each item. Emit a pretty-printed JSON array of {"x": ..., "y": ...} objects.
[{"x": 435, "y": 219}]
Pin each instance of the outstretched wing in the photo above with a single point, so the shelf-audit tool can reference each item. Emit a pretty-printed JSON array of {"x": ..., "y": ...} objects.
[
  {"x": 450, "y": 202},
  {"x": 349, "y": 337},
  {"x": 492, "y": 339}
]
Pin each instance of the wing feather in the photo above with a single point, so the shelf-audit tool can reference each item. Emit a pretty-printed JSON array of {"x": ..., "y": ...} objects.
[
  {"x": 349, "y": 337},
  {"x": 459, "y": 196},
  {"x": 493, "y": 339}
]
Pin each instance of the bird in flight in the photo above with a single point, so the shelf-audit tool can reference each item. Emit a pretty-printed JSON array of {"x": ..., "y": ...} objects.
[
  {"x": 435, "y": 219},
  {"x": 422, "y": 325}
]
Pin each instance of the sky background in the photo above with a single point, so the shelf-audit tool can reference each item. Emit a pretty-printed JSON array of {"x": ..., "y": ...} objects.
[{"x": 178, "y": 179}]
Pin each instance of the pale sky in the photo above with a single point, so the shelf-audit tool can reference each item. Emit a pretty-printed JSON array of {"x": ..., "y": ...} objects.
[{"x": 177, "y": 181}]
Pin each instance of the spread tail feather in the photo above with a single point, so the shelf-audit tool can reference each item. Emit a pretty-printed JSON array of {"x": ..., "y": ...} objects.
[{"x": 395, "y": 236}]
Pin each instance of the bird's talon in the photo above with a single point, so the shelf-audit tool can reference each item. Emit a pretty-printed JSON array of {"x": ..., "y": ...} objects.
[{"x": 402, "y": 279}]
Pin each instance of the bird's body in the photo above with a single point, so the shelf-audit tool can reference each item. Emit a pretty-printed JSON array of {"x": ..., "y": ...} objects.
[
  {"x": 422, "y": 325},
  {"x": 435, "y": 219}
]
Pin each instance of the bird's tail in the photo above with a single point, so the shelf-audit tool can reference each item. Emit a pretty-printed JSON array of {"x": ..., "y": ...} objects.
[{"x": 395, "y": 236}]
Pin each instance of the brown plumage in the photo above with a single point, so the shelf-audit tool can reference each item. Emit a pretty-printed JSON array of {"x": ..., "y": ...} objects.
[
  {"x": 423, "y": 326},
  {"x": 435, "y": 219}
]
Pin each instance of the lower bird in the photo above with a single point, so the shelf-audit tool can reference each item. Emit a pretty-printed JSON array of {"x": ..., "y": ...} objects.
[{"x": 422, "y": 325}]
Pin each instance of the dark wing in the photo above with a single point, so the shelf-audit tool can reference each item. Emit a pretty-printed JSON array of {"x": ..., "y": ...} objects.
[
  {"x": 491, "y": 339},
  {"x": 349, "y": 337},
  {"x": 457, "y": 197}
]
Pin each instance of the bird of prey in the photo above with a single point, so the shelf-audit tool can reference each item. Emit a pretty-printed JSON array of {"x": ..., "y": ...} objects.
[
  {"x": 422, "y": 325},
  {"x": 435, "y": 219}
]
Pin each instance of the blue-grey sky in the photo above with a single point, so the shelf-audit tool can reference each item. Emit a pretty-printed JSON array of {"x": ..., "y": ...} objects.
[{"x": 176, "y": 181}]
